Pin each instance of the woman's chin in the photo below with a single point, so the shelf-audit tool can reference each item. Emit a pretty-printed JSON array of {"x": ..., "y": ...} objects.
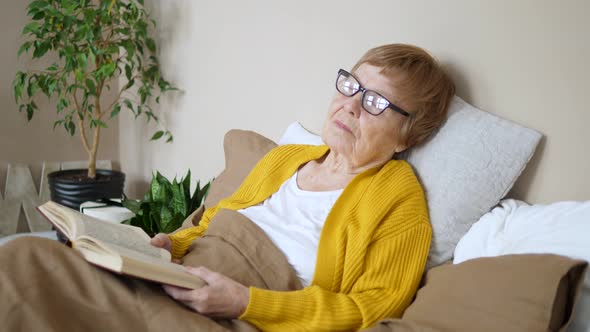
[{"x": 338, "y": 144}]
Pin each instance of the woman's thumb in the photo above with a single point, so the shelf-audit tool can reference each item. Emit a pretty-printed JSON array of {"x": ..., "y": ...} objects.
[{"x": 159, "y": 240}]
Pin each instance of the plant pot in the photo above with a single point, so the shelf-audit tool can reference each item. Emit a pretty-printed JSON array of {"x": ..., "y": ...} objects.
[{"x": 72, "y": 187}]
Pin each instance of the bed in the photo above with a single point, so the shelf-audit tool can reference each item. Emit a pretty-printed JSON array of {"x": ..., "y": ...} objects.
[{"x": 495, "y": 263}]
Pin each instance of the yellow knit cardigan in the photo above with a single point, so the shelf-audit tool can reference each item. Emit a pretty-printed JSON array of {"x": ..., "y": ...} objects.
[{"x": 371, "y": 255}]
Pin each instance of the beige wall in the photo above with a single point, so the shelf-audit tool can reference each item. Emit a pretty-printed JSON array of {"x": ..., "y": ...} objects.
[
  {"x": 262, "y": 64},
  {"x": 36, "y": 141}
]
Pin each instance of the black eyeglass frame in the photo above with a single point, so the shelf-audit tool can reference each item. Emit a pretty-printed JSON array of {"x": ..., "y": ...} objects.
[{"x": 364, "y": 91}]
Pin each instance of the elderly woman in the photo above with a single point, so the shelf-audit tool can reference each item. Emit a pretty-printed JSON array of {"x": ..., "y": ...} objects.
[
  {"x": 363, "y": 212},
  {"x": 350, "y": 219}
]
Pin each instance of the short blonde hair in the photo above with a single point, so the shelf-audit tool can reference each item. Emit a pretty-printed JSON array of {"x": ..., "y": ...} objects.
[{"x": 424, "y": 87}]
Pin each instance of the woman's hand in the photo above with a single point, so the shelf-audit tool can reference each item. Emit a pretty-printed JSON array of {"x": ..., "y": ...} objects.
[
  {"x": 222, "y": 297},
  {"x": 162, "y": 240}
]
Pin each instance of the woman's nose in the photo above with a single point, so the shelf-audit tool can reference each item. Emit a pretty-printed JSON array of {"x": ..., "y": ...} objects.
[{"x": 353, "y": 105}]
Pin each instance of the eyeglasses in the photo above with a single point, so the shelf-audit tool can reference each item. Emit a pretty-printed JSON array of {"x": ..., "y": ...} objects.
[{"x": 372, "y": 101}]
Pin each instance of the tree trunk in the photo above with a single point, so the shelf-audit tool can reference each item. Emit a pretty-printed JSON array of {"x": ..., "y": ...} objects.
[
  {"x": 92, "y": 165},
  {"x": 92, "y": 154}
]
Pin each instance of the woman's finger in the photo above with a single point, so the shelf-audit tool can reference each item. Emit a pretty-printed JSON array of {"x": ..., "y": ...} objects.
[
  {"x": 179, "y": 294},
  {"x": 204, "y": 273}
]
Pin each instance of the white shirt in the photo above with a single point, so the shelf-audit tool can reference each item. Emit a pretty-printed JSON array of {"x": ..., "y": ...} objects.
[{"x": 293, "y": 219}]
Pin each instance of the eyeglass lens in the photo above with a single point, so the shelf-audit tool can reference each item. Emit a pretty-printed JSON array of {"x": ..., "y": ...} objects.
[{"x": 372, "y": 102}]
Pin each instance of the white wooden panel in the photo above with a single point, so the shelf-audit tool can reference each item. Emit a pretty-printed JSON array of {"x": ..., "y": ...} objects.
[
  {"x": 74, "y": 164},
  {"x": 104, "y": 164},
  {"x": 21, "y": 192},
  {"x": 100, "y": 164},
  {"x": 9, "y": 211},
  {"x": 20, "y": 188}
]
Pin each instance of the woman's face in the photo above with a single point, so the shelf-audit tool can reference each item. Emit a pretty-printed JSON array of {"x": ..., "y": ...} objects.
[{"x": 361, "y": 137}]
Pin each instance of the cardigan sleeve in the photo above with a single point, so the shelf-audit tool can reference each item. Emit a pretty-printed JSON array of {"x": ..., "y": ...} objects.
[
  {"x": 182, "y": 240},
  {"x": 394, "y": 266}
]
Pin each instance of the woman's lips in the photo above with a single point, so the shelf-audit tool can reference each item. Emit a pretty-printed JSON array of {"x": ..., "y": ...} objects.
[{"x": 342, "y": 126}]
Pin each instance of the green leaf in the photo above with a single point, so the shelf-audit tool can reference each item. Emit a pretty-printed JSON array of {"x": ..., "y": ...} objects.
[
  {"x": 91, "y": 56},
  {"x": 30, "y": 112},
  {"x": 79, "y": 75},
  {"x": 38, "y": 4},
  {"x": 18, "y": 91},
  {"x": 163, "y": 180},
  {"x": 106, "y": 70},
  {"x": 129, "y": 84},
  {"x": 32, "y": 27},
  {"x": 24, "y": 48},
  {"x": 61, "y": 104},
  {"x": 151, "y": 45},
  {"x": 129, "y": 47},
  {"x": 128, "y": 103},
  {"x": 200, "y": 194},
  {"x": 112, "y": 49},
  {"x": 157, "y": 135},
  {"x": 40, "y": 49},
  {"x": 71, "y": 127},
  {"x": 186, "y": 182},
  {"x": 128, "y": 72},
  {"x": 51, "y": 85},
  {"x": 153, "y": 222},
  {"x": 142, "y": 95},
  {"x": 178, "y": 199},
  {"x": 165, "y": 218},
  {"x": 154, "y": 189},
  {"x": 132, "y": 204},
  {"x": 158, "y": 190},
  {"x": 69, "y": 9},
  {"x": 32, "y": 88},
  {"x": 115, "y": 111},
  {"x": 100, "y": 124},
  {"x": 91, "y": 86},
  {"x": 18, "y": 85},
  {"x": 82, "y": 61},
  {"x": 38, "y": 15},
  {"x": 174, "y": 223},
  {"x": 57, "y": 123}
]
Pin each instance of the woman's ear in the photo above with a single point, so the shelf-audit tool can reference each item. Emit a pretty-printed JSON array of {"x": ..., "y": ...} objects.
[{"x": 400, "y": 148}]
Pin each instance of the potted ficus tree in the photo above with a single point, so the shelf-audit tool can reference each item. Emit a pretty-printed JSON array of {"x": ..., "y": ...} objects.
[{"x": 99, "y": 45}]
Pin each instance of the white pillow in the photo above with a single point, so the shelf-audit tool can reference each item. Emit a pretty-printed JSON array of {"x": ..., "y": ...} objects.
[
  {"x": 517, "y": 228},
  {"x": 465, "y": 169},
  {"x": 296, "y": 134}
]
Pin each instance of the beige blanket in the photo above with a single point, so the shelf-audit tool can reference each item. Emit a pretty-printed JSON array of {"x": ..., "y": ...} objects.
[{"x": 47, "y": 286}]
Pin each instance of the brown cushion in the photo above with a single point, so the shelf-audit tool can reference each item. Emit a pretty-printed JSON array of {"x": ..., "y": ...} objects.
[
  {"x": 531, "y": 292},
  {"x": 243, "y": 149}
]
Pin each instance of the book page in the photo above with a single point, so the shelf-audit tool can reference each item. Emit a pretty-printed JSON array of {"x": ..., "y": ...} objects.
[
  {"x": 61, "y": 219},
  {"x": 125, "y": 236},
  {"x": 133, "y": 263},
  {"x": 75, "y": 224}
]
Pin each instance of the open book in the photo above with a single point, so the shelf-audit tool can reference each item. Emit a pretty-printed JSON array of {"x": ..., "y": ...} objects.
[{"x": 117, "y": 247}]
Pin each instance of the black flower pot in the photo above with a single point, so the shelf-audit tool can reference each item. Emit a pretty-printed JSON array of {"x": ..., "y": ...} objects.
[{"x": 72, "y": 187}]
